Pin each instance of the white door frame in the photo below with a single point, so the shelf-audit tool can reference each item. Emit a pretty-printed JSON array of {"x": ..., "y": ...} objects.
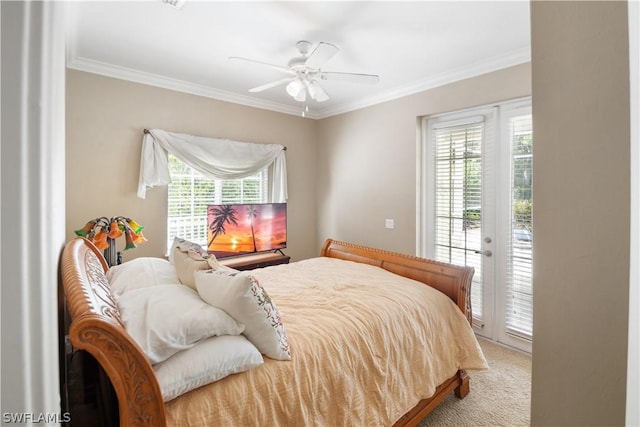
[
  {"x": 496, "y": 221},
  {"x": 32, "y": 222}
]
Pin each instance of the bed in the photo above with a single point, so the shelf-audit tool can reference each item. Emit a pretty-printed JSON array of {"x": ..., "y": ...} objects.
[{"x": 354, "y": 383}]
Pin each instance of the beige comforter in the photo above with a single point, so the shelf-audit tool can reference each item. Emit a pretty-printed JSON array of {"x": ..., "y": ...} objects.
[{"x": 366, "y": 346}]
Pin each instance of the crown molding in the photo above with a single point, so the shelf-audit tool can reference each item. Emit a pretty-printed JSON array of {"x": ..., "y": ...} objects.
[
  {"x": 510, "y": 59},
  {"x": 123, "y": 73}
]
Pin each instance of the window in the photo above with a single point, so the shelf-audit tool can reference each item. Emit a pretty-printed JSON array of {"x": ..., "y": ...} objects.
[{"x": 190, "y": 192}]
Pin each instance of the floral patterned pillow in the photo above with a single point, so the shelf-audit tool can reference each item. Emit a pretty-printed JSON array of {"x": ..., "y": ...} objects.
[{"x": 244, "y": 299}]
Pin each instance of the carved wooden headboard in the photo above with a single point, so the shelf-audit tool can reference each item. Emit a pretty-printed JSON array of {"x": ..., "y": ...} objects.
[{"x": 96, "y": 327}]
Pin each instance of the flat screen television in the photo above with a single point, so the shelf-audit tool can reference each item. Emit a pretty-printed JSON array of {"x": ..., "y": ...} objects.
[{"x": 246, "y": 228}]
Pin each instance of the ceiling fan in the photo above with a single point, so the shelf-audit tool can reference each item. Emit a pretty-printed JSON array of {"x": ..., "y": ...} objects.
[{"x": 305, "y": 71}]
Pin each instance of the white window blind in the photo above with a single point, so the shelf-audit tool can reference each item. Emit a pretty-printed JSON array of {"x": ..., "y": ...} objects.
[
  {"x": 458, "y": 199},
  {"x": 519, "y": 284},
  {"x": 190, "y": 192}
]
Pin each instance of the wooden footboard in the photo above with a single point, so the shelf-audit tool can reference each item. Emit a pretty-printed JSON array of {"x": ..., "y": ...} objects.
[
  {"x": 96, "y": 326},
  {"x": 452, "y": 280}
]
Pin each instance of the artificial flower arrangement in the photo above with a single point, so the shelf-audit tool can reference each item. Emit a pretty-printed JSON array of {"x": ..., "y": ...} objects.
[{"x": 103, "y": 232}]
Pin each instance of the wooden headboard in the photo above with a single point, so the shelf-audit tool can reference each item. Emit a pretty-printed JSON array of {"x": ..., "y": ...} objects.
[
  {"x": 96, "y": 327},
  {"x": 452, "y": 280}
]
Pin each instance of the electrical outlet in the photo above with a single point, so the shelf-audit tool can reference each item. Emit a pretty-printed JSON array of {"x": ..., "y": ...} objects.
[{"x": 388, "y": 223}]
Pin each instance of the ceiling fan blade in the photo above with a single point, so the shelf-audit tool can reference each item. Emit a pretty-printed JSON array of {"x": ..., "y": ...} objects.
[
  {"x": 350, "y": 77},
  {"x": 264, "y": 64},
  {"x": 321, "y": 54},
  {"x": 270, "y": 85}
]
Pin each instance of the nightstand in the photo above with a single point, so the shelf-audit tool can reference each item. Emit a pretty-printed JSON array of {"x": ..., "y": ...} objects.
[{"x": 249, "y": 262}]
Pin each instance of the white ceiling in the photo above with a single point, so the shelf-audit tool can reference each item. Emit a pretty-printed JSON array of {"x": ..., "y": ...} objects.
[{"x": 412, "y": 46}]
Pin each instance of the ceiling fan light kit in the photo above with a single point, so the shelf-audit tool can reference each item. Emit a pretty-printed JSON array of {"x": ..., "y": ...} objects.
[
  {"x": 295, "y": 88},
  {"x": 305, "y": 70},
  {"x": 316, "y": 91}
]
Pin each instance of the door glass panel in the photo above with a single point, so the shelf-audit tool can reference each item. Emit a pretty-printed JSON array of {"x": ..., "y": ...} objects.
[
  {"x": 458, "y": 201},
  {"x": 519, "y": 289}
]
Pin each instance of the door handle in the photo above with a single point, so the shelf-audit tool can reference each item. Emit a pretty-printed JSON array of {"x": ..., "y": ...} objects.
[{"x": 486, "y": 252}]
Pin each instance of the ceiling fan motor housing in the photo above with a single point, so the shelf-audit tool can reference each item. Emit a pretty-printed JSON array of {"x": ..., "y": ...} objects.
[
  {"x": 304, "y": 47},
  {"x": 298, "y": 63}
]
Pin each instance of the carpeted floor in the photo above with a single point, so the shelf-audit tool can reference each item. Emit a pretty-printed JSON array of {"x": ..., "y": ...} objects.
[{"x": 500, "y": 396}]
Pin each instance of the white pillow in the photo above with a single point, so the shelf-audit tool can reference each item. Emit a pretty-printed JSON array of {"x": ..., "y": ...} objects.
[
  {"x": 240, "y": 295},
  {"x": 209, "y": 361},
  {"x": 166, "y": 319},
  {"x": 139, "y": 273}
]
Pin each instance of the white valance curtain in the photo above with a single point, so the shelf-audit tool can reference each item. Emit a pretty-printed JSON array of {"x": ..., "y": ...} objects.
[{"x": 213, "y": 157}]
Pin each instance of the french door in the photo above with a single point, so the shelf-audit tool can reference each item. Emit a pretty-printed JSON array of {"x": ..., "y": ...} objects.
[{"x": 476, "y": 199}]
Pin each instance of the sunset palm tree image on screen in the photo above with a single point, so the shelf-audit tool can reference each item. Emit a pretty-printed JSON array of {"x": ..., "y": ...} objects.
[{"x": 235, "y": 229}]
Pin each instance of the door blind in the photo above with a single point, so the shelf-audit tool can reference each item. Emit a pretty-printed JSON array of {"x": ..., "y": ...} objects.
[
  {"x": 458, "y": 200},
  {"x": 519, "y": 295}
]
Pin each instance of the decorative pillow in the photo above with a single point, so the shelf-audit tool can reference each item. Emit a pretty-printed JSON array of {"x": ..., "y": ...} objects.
[
  {"x": 189, "y": 257},
  {"x": 169, "y": 318},
  {"x": 185, "y": 246},
  {"x": 240, "y": 295},
  {"x": 209, "y": 361},
  {"x": 215, "y": 264},
  {"x": 140, "y": 273},
  {"x": 187, "y": 263}
]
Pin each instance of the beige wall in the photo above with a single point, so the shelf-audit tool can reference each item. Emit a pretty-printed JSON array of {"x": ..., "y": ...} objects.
[
  {"x": 581, "y": 212},
  {"x": 104, "y": 123},
  {"x": 367, "y": 159}
]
